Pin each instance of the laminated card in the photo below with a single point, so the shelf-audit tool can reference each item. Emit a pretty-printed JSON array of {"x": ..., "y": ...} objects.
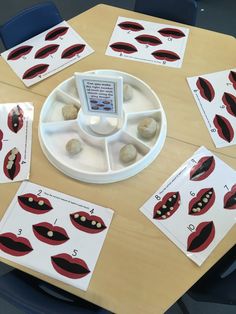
[
  {"x": 15, "y": 141},
  {"x": 196, "y": 206},
  {"x": 47, "y": 53},
  {"x": 53, "y": 233},
  {"x": 215, "y": 95},
  {"x": 149, "y": 42}
]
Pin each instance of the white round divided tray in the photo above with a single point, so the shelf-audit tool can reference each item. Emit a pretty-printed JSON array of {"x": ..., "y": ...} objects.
[{"x": 98, "y": 161}]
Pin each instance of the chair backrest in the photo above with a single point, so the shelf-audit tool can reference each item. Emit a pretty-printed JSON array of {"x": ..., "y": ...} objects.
[
  {"x": 182, "y": 11},
  {"x": 28, "y": 23}
]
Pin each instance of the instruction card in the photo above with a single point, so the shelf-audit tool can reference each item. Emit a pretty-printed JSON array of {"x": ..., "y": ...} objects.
[
  {"x": 15, "y": 141},
  {"x": 149, "y": 42},
  {"x": 47, "y": 53},
  {"x": 215, "y": 95},
  {"x": 99, "y": 94},
  {"x": 196, "y": 206},
  {"x": 53, "y": 233}
]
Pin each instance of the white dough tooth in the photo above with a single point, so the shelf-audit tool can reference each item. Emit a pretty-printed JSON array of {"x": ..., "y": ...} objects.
[
  {"x": 99, "y": 225},
  {"x": 82, "y": 218},
  {"x": 50, "y": 233},
  {"x": 205, "y": 200},
  {"x": 12, "y": 157},
  {"x": 41, "y": 203}
]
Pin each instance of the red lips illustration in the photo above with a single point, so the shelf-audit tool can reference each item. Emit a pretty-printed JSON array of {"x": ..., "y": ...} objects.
[
  {"x": 200, "y": 204},
  {"x": 13, "y": 245},
  {"x": 202, "y": 237},
  {"x": 166, "y": 55},
  {"x": 45, "y": 51},
  {"x": 232, "y": 78},
  {"x": 72, "y": 51},
  {"x": 11, "y": 165},
  {"x": 148, "y": 40},
  {"x": 123, "y": 47},
  {"x": 19, "y": 52},
  {"x": 34, "y": 204},
  {"x": 56, "y": 32},
  {"x": 202, "y": 169},
  {"x": 70, "y": 267},
  {"x": 15, "y": 119},
  {"x": 87, "y": 223},
  {"x": 167, "y": 206},
  {"x": 230, "y": 199},
  {"x": 171, "y": 32},
  {"x": 1, "y": 137},
  {"x": 224, "y": 128},
  {"x": 230, "y": 102},
  {"x": 131, "y": 26},
  {"x": 206, "y": 89},
  {"x": 50, "y": 234},
  {"x": 35, "y": 71}
]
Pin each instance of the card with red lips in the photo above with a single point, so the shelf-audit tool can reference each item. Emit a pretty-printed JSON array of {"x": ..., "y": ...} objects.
[
  {"x": 148, "y": 42},
  {"x": 196, "y": 206},
  {"x": 54, "y": 233},
  {"x": 47, "y": 53},
  {"x": 15, "y": 141},
  {"x": 215, "y": 95}
]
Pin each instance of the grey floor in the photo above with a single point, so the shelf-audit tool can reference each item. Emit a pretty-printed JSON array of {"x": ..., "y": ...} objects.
[{"x": 216, "y": 15}]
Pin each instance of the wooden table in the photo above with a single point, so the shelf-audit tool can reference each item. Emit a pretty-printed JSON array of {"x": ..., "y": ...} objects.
[{"x": 139, "y": 269}]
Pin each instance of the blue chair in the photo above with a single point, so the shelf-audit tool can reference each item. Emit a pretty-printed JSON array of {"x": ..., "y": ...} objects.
[
  {"x": 30, "y": 295},
  {"x": 182, "y": 11},
  {"x": 28, "y": 23},
  {"x": 218, "y": 285}
]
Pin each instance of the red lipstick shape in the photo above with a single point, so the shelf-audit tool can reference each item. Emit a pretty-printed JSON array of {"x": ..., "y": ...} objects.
[
  {"x": 148, "y": 40},
  {"x": 15, "y": 119},
  {"x": 123, "y": 47},
  {"x": 11, "y": 165},
  {"x": 230, "y": 199},
  {"x": 1, "y": 137},
  {"x": 56, "y": 32},
  {"x": 72, "y": 51},
  {"x": 35, "y": 71},
  {"x": 200, "y": 204},
  {"x": 202, "y": 237},
  {"x": 70, "y": 267},
  {"x": 131, "y": 26},
  {"x": 167, "y": 206},
  {"x": 171, "y": 32},
  {"x": 206, "y": 89},
  {"x": 230, "y": 102},
  {"x": 19, "y": 52},
  {"x": 232, "y": 78},
  {"x": 202, "y": 169},
  {"x": 13, "y": 245},
  {"x": 50, "y": 234},
  {"x": 224, "y": 128},
  {"x": 34, "y": 204},
  {"x": 45, "y": 51},
  {"x": 166, "y": 55},
  {"x": 87, "y": 223}
]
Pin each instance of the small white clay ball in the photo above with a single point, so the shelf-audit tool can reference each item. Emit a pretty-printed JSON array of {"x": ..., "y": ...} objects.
[
  {"x": 73, "y": 146},
  {"x": 70, "y": 112},
  {"x": 127, "y": 92},
  {"x": 147, "y": 128},
  {"x": 128, "y": 153}
]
